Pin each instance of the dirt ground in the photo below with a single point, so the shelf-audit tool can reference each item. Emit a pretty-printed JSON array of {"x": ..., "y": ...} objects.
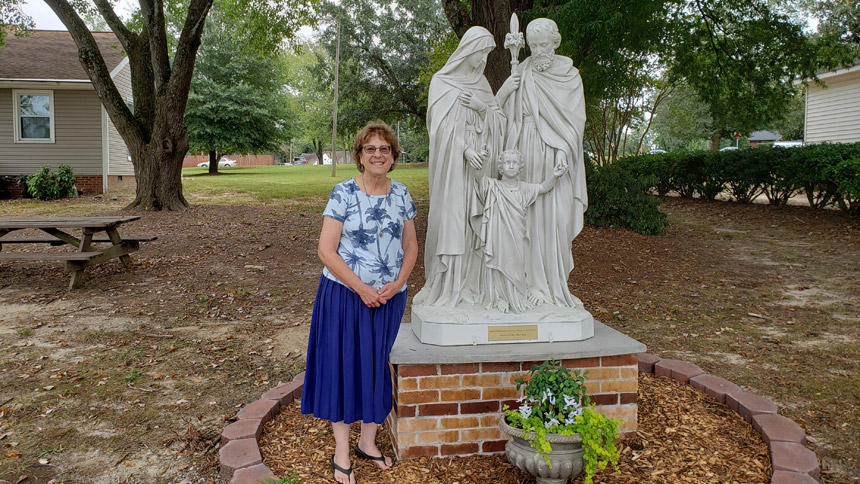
[{"x": 132, "y": 377}]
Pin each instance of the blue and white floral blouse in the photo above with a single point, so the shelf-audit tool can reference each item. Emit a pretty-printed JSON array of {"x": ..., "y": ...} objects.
[{"x": 371, "y": 241}]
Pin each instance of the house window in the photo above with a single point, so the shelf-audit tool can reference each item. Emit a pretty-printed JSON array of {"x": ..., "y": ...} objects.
[{"x": 34, "y": 116}]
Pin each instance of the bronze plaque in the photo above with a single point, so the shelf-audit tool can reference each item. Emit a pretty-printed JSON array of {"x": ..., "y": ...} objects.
[{"x": 512, "y": 333}]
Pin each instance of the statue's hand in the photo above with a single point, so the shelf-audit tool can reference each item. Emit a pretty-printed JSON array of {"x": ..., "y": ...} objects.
[
  {"x": 474, "y": 158},
  {"x": 515, "y": 79},
  {"x": 561, "y": 163},
  {"x": 471, "y": 101}
]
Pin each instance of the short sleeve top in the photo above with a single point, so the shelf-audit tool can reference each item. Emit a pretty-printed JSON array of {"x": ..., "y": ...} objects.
[{"x": 372, "y": 236}]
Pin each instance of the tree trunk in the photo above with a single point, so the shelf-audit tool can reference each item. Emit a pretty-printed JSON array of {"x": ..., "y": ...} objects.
[
  {"x": 158, "y": 173},
  {"x": 213, "y": 162},
  {"x": 714, "y": 142}
]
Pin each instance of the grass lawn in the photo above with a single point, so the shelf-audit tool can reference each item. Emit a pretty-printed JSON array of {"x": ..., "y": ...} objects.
[{"x": 298, "y": 184}]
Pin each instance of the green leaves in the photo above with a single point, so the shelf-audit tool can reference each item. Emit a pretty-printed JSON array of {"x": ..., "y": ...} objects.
[
  {"x": 555, "y": 401},
  {"x": 47, "y": 185}
]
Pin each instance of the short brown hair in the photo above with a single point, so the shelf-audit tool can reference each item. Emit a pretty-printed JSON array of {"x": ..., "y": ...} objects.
[{"x": 371, "y": 129}]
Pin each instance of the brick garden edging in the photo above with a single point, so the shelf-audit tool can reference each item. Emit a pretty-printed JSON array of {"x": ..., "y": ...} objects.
[
  {"x": 241, "y": 462},
  {"x": 792, "y": 462}
]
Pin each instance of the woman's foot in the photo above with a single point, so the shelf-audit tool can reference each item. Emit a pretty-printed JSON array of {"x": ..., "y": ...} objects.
[
  {"x": 342, "y": 474},
  {"x": 373, "y": 453}
]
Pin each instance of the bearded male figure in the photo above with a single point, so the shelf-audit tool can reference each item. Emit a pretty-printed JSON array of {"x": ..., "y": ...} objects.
[{"x": 545, "y": 109}]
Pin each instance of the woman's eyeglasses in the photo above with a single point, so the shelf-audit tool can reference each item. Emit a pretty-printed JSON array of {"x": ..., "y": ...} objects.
[{"x": 372, "y": 149}]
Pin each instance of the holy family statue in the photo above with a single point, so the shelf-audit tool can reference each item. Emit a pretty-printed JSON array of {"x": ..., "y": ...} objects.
[{"x": 507, "y": 184}]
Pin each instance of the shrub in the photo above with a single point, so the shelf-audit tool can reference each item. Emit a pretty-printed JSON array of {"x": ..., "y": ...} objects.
[
  {"x": 846, "y": 176},
  {"x": 619, "y": 198},
  {"x": 46, "y": 185}
]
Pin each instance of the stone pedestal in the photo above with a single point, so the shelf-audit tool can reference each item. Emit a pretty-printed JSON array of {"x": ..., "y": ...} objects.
[
  {"x": 474, "y": 325},
  {"x": 448, "y": 399}
]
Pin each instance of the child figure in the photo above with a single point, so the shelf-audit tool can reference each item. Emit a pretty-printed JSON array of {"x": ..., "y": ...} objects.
[{"x": 503, "y": 235}]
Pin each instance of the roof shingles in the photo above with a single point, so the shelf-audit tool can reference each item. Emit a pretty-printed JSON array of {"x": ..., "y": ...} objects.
[{"x": 52, "y": 54}]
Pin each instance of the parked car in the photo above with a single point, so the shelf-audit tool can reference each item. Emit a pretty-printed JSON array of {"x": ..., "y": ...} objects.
[
  {"x": 656, "y": 152},
  {"x": 222, "y": 163},
  {"x": 729, "y": 148}
]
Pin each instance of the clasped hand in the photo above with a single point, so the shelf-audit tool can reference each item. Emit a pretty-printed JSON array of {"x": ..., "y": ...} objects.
[
  {"x": 373, "y": 298},
  {"x": 471, "y": 101},
  {"x": 475, "y": 159}
]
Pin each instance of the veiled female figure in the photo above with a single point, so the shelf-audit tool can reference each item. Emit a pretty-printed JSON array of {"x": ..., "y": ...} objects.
[{"x": 466, "y": 127}]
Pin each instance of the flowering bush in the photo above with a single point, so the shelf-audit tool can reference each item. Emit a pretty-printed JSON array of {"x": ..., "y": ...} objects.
[{"x": 554, "y": 401}]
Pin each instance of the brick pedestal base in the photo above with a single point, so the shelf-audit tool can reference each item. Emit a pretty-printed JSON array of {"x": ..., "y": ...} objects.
[{"x": 451, "y": 406}]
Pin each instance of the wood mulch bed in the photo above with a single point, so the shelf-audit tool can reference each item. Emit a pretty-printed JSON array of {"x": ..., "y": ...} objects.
[{"x": 684, "y": 436}]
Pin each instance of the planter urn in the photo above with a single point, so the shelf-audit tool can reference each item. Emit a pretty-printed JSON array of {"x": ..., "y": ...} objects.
[{"x": 566, "y": 456}]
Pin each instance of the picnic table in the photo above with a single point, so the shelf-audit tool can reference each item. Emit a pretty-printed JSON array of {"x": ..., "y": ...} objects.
[{"x": 90, "y": 250}]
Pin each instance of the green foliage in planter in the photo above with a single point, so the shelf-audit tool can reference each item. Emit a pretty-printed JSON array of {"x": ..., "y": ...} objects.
[
  {"x": 617, "y": 197},
  {"x": 555, "y": 402},
  {"x": 47, "y": 185}
]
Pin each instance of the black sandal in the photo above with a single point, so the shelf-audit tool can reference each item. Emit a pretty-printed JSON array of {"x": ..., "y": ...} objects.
[
  {"x": 337, "y": 468},
  {"x": 361, "y": 455}
]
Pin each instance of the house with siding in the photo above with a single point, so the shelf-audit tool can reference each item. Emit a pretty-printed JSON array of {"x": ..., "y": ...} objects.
[
  {"x": 833, "y": 111},
  {"x": 50, "y": 114}
]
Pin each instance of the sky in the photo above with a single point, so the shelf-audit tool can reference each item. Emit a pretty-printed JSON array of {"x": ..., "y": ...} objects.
[{"x": 45, "y": 18}]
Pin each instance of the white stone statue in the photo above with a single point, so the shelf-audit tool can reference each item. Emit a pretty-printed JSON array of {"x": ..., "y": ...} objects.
[
  {"x": 546, "y": 117},
  {"x": 498, "y": 252},
  {"x": 503, "y": 234},
  {"x": 466, "y": 126}
]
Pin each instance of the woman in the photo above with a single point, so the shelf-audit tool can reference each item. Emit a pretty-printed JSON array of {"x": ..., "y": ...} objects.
[
  {"x": 466, "y": 128},
  {"x": 368, "y": 246}
]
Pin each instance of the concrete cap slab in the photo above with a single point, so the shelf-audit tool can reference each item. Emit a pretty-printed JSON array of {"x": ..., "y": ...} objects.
[{"x": 408, "y": 350}]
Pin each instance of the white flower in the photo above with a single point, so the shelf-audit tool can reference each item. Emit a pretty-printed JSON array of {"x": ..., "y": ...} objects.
[
  {"x": 547, "y": 395},
  {"x": 570, "y": 401},
  {"x": 569, "y": 421},
  {"x": 521, "y": 399},
  {"x": 576, "y": 412},
  {"x": 551, "y": 422},
  {"x": 525, "y": 411}
]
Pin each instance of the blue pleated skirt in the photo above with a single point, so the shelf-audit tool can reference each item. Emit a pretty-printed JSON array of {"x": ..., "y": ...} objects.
[{"x": 346, "y": 375}]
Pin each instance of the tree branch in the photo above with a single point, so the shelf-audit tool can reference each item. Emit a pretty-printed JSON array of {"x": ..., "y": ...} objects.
[
  {"x": 116, "y": 24},
  {"x": 94, "y": 65},
  {"x": 186, "y": 50},
  {"x": 153, "y": 17}
]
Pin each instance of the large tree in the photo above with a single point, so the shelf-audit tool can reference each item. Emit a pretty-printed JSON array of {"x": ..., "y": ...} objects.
[
  {"x": 741, "y": 58},
  {"x": 237, "y": 103},
  {"x": 161, "y": 57},
  {"x": 383, "y": 49}
]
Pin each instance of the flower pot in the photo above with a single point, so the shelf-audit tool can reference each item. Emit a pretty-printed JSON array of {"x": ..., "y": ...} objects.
[{"x": 566, "y": 455}]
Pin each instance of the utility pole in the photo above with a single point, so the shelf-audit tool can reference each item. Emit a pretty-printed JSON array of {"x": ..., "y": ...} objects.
[{"x": 334, "y": 108}]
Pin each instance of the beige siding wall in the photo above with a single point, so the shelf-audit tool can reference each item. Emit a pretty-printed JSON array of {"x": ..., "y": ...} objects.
[
  {"x": 119, "y": 164},
  {"x": 78, "y": 136},
  {"x": 833, "y": 113}
]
